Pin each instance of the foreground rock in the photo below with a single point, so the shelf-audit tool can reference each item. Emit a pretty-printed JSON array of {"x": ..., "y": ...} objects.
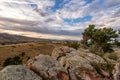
[
  {"x": 48, "y": 68},
  {"x": 81, "y": 64},
  {"x": 18, "y": 72}
]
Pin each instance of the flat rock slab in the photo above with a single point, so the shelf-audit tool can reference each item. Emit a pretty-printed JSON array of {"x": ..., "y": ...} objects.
[{"x": 18, "y": 72}]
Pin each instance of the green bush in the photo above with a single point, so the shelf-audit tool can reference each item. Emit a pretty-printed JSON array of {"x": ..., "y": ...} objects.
[
  {"x": 74, "y": 44},
  {"x": 16, "y": 60},
  {"x": 13, "y": 61}
]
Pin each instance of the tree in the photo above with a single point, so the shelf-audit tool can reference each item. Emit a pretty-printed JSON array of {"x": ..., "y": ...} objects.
[
  {"x": 87, "y": 35},
  {"x": 98, "y": 39},
  {"x": 116, "y": 42},
  {"x": 119, "y": 31}
]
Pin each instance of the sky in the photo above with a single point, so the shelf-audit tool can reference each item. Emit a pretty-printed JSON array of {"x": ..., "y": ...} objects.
[{"x": 57, "y": 19}]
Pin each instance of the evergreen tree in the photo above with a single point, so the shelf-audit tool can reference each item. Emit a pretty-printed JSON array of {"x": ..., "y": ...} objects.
[{"x": 98, "y": 39}]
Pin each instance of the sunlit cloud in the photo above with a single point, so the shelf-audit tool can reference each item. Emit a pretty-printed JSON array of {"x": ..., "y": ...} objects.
[{"x": 50, "y": 18}]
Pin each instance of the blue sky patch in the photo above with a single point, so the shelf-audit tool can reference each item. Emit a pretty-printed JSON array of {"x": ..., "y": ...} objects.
[
  {"x": 33, "y": 5},
  {"x": 88, "y": 1},
  {"x": 59, "y": 4},
  {"x": 77, "y": 20},
  {"x": 100, "y": 2}
]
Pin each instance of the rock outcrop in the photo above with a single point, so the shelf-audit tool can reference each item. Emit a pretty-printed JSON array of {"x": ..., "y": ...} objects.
[
  {"x": 64, "y": 64},
  {"x": 48, "y": 68},
  {"x": 81, "y": 64}
]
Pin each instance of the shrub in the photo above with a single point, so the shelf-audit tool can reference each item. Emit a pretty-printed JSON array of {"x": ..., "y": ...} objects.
[
  {"x": 74, "y": 44},
  {"x": 14, "y": 46},
  {"x": 92, "y": 49},
  {"x": 16, "y": 60},
  {"x": 22, "y": 54},
  {"x": 2, "y": 43},
  {"x": 8, "y": 61},
  {"x": 13, "y": 61}
]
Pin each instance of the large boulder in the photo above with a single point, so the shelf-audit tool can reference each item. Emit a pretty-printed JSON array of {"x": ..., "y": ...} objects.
[
  {"x": 69, "y": 57},
  {"x": 81, "y": 58},
  {"x": 18, "y": 72},
  {"x": 75, "y": 61},
  {"x": 48, "y": 68},
  {"x": 79, "y": 63}
]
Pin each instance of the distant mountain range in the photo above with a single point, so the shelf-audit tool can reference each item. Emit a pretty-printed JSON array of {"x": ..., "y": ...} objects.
[{"x": 10, "y": 39}]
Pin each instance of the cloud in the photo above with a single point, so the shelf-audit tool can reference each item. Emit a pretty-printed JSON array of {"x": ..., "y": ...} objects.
[{"x": 57, "y": 17}]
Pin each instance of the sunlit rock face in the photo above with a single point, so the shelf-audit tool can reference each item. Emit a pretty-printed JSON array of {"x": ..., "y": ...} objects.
[
  {"x": 80, "y": 63},
  {"x": 48, "y": 68}
]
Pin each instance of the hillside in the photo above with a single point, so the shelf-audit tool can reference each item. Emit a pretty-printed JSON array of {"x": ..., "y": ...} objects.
[
  {"x": 31, "y": 49},
  {"x": 14, "y": 39}
]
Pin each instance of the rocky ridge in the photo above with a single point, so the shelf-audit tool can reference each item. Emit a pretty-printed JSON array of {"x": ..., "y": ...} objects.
[{"x": 64, "y": 64}]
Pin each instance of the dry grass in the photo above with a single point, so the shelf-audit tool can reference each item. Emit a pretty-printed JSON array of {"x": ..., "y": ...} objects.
[{"x": 30, "y": 49}]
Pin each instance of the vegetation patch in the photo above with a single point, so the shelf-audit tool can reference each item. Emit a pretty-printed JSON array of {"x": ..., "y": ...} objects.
[
  {"x": 73, "y": 44},
  {"x": 22, "y": 54},
  {"x": 16, "y": 60},
  {"x": 13, "y": 61},
  {"x": 113, "y": 56},
  {"x": 99, "y": 39},
  {"x": 97, "y": 67},
  {"x": 110, "y": 68}
]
